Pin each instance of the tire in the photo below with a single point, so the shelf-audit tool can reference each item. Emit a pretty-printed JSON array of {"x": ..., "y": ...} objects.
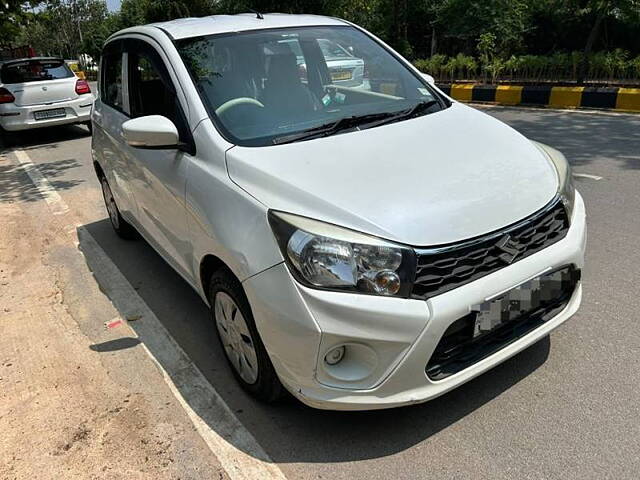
[
  {"x": 240, "y": 340},
  {"x": 123, "y": 228}
]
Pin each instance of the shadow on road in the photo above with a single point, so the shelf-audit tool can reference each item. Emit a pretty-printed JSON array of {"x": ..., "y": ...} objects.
[
  {"x": 16, "y": 186},
  {"x": 14, "y": 182},
  {"x": 582, "y": 136},
  {"x": 115, "y": 345},
  {"x": 40, "y": 138},
  {"x": 290, "y": 432}
]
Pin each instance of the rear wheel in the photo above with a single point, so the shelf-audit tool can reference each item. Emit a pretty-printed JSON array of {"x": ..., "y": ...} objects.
[
  {"x": 123, "y": 228},
  {"x": 240, "y": 339}
]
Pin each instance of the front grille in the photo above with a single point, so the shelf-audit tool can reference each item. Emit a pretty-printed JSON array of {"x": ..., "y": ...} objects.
[
  {"x": 443, "y": 268},
  {"x": 459, "y": 348}
]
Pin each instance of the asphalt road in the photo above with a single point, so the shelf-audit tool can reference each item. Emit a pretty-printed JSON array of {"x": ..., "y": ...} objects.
[{"x": 568, "y": 407}]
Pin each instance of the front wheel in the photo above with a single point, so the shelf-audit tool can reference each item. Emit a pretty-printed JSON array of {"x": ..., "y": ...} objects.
[
  {"x": 239, "y": 338},
  {"x": 123, "y": 228}
]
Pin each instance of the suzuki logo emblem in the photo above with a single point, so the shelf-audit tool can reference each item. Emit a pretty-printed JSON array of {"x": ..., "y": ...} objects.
[{"x": 510, "y": 248}]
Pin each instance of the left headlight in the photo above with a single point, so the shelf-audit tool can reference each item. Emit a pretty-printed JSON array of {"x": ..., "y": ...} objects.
[
  {"x": 566, "y": 188},
  {"x": 325, "y": 256}
]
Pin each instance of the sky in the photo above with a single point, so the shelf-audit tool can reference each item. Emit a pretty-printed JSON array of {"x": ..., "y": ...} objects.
[{"x": 113, "y": 5}]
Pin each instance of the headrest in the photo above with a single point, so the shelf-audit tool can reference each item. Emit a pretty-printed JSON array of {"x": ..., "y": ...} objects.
[{"x": 283, "y": 68}]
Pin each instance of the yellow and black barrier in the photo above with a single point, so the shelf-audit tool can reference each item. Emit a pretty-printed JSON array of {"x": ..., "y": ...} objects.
[{"x": 615, "y": 98}]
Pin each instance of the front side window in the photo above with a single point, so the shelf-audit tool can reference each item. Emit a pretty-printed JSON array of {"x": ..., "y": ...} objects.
[
  {"x": 151, "y": 91},
  {"x": 112, "y": 79},
  {"x": 261, "y": 87},
  {"x": 148, "y": 93},
  {"x": 34, "y": 71}
]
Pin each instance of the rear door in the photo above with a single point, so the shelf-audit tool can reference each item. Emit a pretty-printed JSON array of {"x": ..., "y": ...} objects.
[
  {"x": 160, "y": 181},
  {"x": 38, "y": 82}
]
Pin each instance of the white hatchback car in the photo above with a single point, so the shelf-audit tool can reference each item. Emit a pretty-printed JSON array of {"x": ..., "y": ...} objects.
[
  {"x": 362, "y": 247},
  {"x": 42, "y": 92}
]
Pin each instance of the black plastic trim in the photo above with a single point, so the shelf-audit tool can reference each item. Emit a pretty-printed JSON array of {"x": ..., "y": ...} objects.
[
  {"x": 489, "y": 240},
  {"x": 458, "y": 350}
]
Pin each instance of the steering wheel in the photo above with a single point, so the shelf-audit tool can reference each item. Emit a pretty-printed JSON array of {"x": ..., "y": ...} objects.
[{"x": 234, "y": 102}]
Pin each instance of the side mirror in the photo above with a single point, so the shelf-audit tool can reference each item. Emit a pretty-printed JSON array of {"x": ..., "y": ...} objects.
[
  {"x": 429, "y": 78},
  {"x": 152, "y": 131}
]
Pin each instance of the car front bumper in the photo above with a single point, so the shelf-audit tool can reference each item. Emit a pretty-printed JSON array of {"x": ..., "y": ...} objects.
[
  {"x": 389, "y": 340},
  {"x": 14, "y": 118}
]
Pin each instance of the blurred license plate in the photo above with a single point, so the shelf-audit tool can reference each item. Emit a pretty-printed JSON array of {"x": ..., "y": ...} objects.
[
  {"x": 524, "y": 298},
  {"x": 53, "y": 113},
  {"x": 344, "y": 75}
]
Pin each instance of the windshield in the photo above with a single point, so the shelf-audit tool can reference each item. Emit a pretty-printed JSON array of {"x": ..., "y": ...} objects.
[
  {"x": 34, "y": 71},
  {"x": 261, "y": 85}
]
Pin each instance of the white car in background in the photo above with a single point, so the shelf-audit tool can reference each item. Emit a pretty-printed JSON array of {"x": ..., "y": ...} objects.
[
  {"x": 42, "y": 92},
  {"x": 362, "y": 247},
  {"x": 344, "y": 68}
]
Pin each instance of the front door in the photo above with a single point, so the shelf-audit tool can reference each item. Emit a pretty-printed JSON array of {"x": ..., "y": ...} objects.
[{"x": 159, "y": 186}]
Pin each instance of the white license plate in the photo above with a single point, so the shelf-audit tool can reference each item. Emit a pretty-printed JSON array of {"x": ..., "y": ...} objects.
[
  {"x": 47, "y": 114},
  {"x": 524, "y": 298}
]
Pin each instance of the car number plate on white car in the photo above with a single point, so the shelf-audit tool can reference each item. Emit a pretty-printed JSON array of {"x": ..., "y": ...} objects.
[
  {"x": 526, "y": 297},
  {"x": 47, "y": 114}
]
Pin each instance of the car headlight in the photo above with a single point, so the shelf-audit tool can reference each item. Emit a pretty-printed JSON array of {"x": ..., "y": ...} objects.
[
  {"x": 566, "y": 188},
  {"x": 325, "y": 256}
]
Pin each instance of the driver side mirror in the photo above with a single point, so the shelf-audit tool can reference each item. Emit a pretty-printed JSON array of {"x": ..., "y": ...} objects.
[
  {"x": 151, "y": 131},
  {"x": 430, "y": 80}
]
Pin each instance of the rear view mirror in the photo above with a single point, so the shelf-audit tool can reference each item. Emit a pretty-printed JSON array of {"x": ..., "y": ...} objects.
[
  {"x": 152, "y": 131},
  {"x": 429, "y": 78}
]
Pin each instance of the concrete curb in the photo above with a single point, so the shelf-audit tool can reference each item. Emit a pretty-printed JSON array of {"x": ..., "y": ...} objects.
[{"x": 610, "y": 98}]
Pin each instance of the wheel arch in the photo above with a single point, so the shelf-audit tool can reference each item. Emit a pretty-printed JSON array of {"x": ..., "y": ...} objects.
[{"x": 210, "y": 264}]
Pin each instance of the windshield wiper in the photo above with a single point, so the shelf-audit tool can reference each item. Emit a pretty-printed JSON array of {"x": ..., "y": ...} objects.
[
  {"x": 330, "y": 128},
  {"x": 346, "y": 123},
  {"x": 414, "y": 111}
]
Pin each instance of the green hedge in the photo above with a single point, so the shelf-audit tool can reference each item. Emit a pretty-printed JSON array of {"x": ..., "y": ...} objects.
[{"x": 617, "y": 65}]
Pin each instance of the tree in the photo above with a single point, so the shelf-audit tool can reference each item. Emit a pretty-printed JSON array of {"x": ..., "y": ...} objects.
[
  {"x": 14, "y": 15},
  {"x": 598, "y": 11},
  {"x": 59, "y": 27}
]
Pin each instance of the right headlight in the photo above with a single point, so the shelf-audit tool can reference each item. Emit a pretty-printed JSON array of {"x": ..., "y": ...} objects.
[
  {"x": 325, "y": 256},
  {"x": 566, "y": 189}
]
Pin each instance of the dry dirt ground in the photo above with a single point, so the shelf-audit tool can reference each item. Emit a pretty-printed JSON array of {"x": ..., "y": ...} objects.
[{"x": 70, "y": 408}]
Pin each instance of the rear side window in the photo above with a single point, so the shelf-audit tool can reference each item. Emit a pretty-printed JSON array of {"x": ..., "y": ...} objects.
[
  {"x": 34, "y": 71},
  {"x": 111, "y": 87}
]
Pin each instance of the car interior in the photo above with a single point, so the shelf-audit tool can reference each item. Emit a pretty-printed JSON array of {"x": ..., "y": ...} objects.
[{"x": 272, "y": 83}]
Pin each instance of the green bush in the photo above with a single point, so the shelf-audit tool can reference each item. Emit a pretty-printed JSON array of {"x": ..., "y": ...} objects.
[{"x": 616, "y": 65}]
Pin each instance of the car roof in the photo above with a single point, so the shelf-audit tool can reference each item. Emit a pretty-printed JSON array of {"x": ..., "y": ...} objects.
[{"x": 215, "y": 24}]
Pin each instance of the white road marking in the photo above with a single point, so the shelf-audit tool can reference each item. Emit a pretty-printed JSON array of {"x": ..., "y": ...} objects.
[
  {"x": 587, "y": 175},
  {"x": 231, "y": 443},
  {"x": 50, "y": 195}
]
